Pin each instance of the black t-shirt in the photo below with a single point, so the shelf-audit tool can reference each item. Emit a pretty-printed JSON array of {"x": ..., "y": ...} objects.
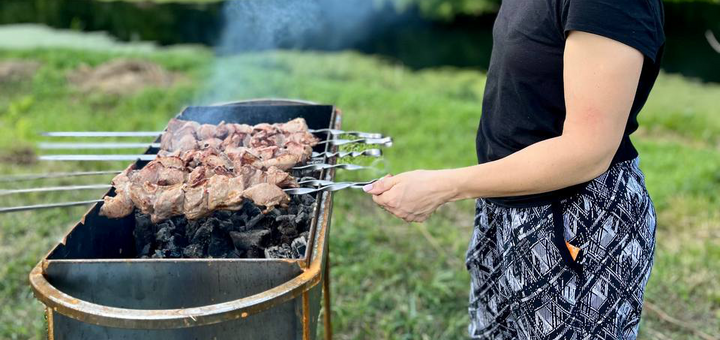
[{"x": 524, "y": 97}]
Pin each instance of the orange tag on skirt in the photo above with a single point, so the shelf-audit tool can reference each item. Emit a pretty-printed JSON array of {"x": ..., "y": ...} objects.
[{"x": 573, "y": 250}]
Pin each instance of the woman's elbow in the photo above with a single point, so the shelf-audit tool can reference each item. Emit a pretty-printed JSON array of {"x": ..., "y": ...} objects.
[{"x": 598, "y": 163}]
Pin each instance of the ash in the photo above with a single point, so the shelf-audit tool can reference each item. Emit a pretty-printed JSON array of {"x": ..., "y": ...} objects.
[{"x": 246, "y": 233}]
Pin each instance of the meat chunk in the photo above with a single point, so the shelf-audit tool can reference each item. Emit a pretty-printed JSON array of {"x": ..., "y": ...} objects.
[
  {"x": 283, "y": 162},
  {"x": 143, "y": 196},
  {"x": 206, "y": 131},
  {"x": 169, "y": 202},
  {"x": 196, "y": 202},
  {"x": 267, "y": 195},
  {"x": 121, "y": 204},
  {"x": 293, "y": 126},
  {"x": 225, "y": 193},
  {"x": 280, "y": 178}
]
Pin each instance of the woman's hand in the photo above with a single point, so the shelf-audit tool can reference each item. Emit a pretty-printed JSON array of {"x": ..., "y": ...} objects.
[{"x": 412, "y": 196}]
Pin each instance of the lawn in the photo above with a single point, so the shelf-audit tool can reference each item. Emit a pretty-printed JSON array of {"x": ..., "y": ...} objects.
[{"x": 391, "y": 280}]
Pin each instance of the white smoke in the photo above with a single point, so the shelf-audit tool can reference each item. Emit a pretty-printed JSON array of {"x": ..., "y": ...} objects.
[{"x": 271, "y": 25}]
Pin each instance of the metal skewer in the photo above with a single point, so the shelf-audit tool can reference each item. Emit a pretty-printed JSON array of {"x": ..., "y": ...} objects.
[
  {"x": 291, "y": 191},
  {"x": 20, "y": 178},
  {"x": 4, "y": 192},
  {"x": 46, "y": 206},
  {"x": 350, "y": 167},
  {"x": 51, "y": 189},
  {"x": 102, "y": 134},
  {"x": 332, "y": 187},
  {"x": 96, "y": 146},
  {"x": 387, "y": 141}
]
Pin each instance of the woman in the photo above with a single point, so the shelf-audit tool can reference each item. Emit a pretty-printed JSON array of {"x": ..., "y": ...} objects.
[{"x": 565, "y": 230}]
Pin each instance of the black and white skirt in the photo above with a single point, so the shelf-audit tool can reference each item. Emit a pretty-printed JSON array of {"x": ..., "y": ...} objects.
[{"x": 527, "y": 284}]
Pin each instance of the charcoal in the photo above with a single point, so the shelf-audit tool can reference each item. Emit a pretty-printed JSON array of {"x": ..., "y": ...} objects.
[
  {"x": 158, "y": 254},
  {"x": 193, "y": 251},
  {"x": 299, "y": 245},
  {"x": 302, "y": 216},
  {"x": 255, "y": 253},
  {"x": 202, "y": 235},
  {"x": 249, "y": 239},
  {"x": 220, "y": 245},
  {"x": 144, "y": 232},
  {"x": 145, "y": 251},
  {"x": 288, "y": 232},
  {"x": 282, "y": 251},
  {"x": 254, "y": 221},
  {"x": 285, "y": 218},
  {"x": 245, "y": 233}
]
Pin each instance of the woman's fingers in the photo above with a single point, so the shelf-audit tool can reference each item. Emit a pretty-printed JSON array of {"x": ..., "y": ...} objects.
[{"x": 381, "y": 186}]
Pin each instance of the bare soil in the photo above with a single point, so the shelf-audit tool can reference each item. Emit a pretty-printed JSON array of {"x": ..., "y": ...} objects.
[{"x": 122, "y": 77}]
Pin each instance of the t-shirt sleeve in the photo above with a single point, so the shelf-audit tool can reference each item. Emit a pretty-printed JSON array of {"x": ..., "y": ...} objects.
[{"x": 636, "y": 23}]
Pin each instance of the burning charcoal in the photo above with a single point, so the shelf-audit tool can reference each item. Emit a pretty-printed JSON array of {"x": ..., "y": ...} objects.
[
  {"x": 227, "y": 226},
  {"x": 279, "y": 252},
  {"x": 299, "y": 246},
  {"x": 302, "y": 217},
  {"x": 144, "y": 232},
  {"x": 165, "y": 234},
  {"x": 145, "y": 252},
  {"x": 285, "y": 218},
  {"x": 254, "y": 221},
  {"x": 288, "y": 232},
  {"x": 220, "y": 244},
  {"x": 247, "y": 240},
  {"x": 193, "y": 251},
  {"x": 307, "y": 200},
  {"x": 202, "y": 235}
]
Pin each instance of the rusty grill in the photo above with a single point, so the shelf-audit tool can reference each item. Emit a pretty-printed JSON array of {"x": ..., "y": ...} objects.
[{"x": 94, "y": 287}]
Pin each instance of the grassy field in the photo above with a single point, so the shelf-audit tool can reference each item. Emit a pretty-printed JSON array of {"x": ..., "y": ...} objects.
[{"x": 391, "y": 280}]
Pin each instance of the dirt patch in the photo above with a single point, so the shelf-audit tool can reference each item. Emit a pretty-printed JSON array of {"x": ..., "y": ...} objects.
[
  {"x": 19, "y": 156},
  {"x": 122, "y": 77},
  {"x": 15, "y": 71}
]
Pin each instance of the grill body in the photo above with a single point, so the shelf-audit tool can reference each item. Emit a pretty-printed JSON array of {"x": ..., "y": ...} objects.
[{"x": 95, "y": 288}]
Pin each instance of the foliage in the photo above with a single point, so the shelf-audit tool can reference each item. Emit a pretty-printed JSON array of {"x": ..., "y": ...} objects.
[{"x": 391, "y": 280}]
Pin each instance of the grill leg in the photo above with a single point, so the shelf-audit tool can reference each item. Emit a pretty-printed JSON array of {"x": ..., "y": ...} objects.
[{"x": 326, "y": 299}]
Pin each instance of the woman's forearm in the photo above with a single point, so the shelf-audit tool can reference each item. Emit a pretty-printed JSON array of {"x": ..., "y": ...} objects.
[{"x": 542, "y": 167}]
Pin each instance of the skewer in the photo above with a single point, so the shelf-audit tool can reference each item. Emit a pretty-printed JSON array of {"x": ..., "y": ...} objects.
[
  {"x": 291, "y": 191},
  {"x": 96, "y": 146},
  {"x": 313, "y": 183},
  {"x": 350, "y": 167},
  {"x": 149, "y": 157},
  {"x": 387, "y": 141},
  {"x": 51, "y": 189},
  {"x": 330, "y": 188},
  {"x": 46, "y": 206},
  {"x": 96, "y": 134},
  {"x": 21, "y": 178}
]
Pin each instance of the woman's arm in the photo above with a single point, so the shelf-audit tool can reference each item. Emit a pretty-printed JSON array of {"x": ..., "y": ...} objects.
[{"x": 601, "y": 77}]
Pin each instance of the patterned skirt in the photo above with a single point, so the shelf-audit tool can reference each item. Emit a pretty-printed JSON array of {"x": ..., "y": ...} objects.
[{"x": 528, "y": 280}]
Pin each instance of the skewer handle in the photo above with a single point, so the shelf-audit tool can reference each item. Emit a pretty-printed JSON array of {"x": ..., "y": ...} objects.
[{"x": 331, "y": 188}]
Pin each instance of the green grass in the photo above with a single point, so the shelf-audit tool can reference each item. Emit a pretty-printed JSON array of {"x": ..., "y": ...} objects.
[{"x": 391, "y": 280}]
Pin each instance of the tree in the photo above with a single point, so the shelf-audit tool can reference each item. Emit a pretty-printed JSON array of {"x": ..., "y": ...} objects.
[{"x": 447, "y": 9}]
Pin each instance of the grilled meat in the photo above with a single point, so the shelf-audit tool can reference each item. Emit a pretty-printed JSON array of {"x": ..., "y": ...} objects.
[
  {"x": 121, "y": 204},
  {"x": 268, "y": 195},
  {"x": 204, "y": 168}
]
